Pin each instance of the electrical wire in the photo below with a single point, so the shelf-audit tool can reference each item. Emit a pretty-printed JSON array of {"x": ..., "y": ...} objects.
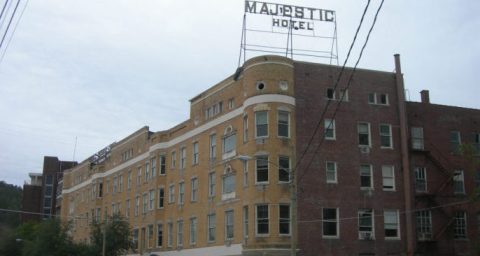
[
  {"x": 312, "y": 137},
  {"x": 9, "y": 23},
  {"x": 349, "y": 82},
  {"x": 3, "y": 10},
  {"x": 299, "y": 221},
  {"x": 14, "y": 29}
]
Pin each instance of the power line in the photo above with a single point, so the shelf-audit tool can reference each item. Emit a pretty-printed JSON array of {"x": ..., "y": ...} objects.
[
  {"x": 9, "y": 23},
  {"x": 14, "y": 29},
  {"x": 299, "y": 221},
  {"x": 349, "y": 82},
  {"x": 336, "y": 85},
  {"x": 401, "y": 212},
  {"x": 3, "y": 10}
]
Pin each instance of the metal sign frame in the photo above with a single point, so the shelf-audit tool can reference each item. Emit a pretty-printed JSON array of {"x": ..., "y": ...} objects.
[{"x": 289, "y": 22}]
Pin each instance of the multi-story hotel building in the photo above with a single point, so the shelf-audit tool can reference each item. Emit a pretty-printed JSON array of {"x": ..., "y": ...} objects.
[{"x": 220, "y": 182}]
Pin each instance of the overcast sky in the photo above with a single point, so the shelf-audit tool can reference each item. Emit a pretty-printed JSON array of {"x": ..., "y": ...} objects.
[{"x": 100, "y": 70}]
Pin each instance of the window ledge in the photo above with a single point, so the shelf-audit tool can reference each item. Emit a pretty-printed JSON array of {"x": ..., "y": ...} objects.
[{"x": 330, "y": 237}]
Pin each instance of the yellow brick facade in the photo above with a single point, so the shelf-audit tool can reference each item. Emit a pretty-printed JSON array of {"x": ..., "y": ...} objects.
[{"x": 122, "y": 181}]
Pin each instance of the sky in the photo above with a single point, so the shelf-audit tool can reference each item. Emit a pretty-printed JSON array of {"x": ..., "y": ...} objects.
[{"x": 80, "y": 75}]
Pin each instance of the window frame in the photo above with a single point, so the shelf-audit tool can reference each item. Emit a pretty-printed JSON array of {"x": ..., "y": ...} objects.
[
  {"x": 195, "y": 153},
  {"x": 229, "y": 224},
  {"x": 366, "y": 214},
  {"x": 281, "y": 168},
  {"x": 329, "y": 127},
  {"x": 211, "y": 228},
  {"x": 282, "y": 124},
  {"x": 387, "y": 135},
  {"x": 387, "y": 223},
  {"x": 459, "y": 179},
  {"x": 335, "y": 221},
  {"x": 370, "y": 168},
  {"x": 159, "y": 237},
  {"x": 460, "y": 225},
  {"x": 194, "y": 189},
  {"x": 257, "y": 124},
  {"x": 421, "y": 170},
  {"x": 287, "y": 220},
  {"x": 368, "y": 134},
  {"x": 266, "y": 170},
  {"x": 327, "y": 170},
  {"x": 193, "y": 230},
  {"x": 392, "y": 178},
  {"x": 257, "y": 219}
]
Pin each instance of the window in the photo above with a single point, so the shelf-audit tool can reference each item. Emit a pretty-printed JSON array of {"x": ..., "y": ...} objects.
[
  {"x": 365, "y": 224},
  {"x": 388, "y": 176},
  {"x": 262, "y": 169},
  {"x": 261, "y": 124},
  {"x": 147, "y": 172},
  {"x": 153, "y": 164},
  {"x": 330, "y": 93},
  {"x": 366, "y": 176},
  {"x": 211, "y": 227},
  {"x": 171, "y": 194},
  {"x": 159, "y": 235},
  {"x": 127, "y": 208},
  {"x": 331, "y": 172},
  {"x": 283, "y": 124},
  {"x": 193, "y": 230},
  {"x": 145, "y": 203},
  {"x": 417, "y": 138},
  {"x": 262, "y": 219},
  {"x": 245, "y": 129},
  {"x": 386, "y": 136},
  {"x": 161, "y": 197},
  {"x": 151, "y": 202},
  {"x": 460, "y": 228},
  {"x": 476, "y": 143},
  {"x": 231, "y": 103},
  {"x": 330, "y": 222},
  {"x": 115, "y": 184},
  {"x": 383, "y": 99},
  {"x": 163, "y": 164},
  {"x": 229, "y": 143},
  {"x": 181, "y": 193},
  {"x": 179, "y": 233},
  {"x": 228, "y": 183},
  {"x": 391, "y": 224},
  {"x": 213, "y": 146},
  {"x": 284, "y": 220},
  {"x": 283, "y": 169},
  {"x": 343, "y": 95},
  {"x": 129, "y": 180},
  {"x": 195, "y": 153},
  {"x": 194, "y": 195},
  {"x": 120, "y": 183},
  {"x": 420, "y": 179},
  {"x": 477, "y": 181},
  {"x": 174, "y": 159},
  {"x": 170, "y": 234},
  {"x": 150, "y": 236},
  {"x": 329, "y": 129},
  {"x": 137, "y": 205},
  {"x": 229, "y": 225},
  {"x": 135, "y": 239},
  {"x": 183, "y": 157},
  {"x": 363, "y": 134},
  {"x": 424, "y": 225},
  {"x": 211, "y": 184},
  {"x": 372, "y": 98},
  {"x": 455, "y": 142},
  {"x": 245, "y": 172},
  {"x": 139, "y": 176},
  {"x": 245, "y": 221},
  {"x": 458, "y": 182}
]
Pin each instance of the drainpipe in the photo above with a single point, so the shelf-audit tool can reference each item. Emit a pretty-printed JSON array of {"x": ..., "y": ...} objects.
[{"x": 404, "y": 153}]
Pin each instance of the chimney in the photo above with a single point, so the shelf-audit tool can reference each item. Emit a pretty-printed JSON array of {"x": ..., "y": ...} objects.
[{"x": 425, "y": 96}]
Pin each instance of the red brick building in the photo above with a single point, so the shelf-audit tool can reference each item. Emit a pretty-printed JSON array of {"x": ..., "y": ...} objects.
[{"x": 360, "y": 182}]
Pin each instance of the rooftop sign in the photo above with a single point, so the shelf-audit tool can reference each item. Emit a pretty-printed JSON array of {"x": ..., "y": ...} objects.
[{"x": 289, "y": 11}]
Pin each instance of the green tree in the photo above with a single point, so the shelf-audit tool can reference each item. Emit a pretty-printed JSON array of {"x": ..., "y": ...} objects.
[{"x": 117, "y": 236}]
